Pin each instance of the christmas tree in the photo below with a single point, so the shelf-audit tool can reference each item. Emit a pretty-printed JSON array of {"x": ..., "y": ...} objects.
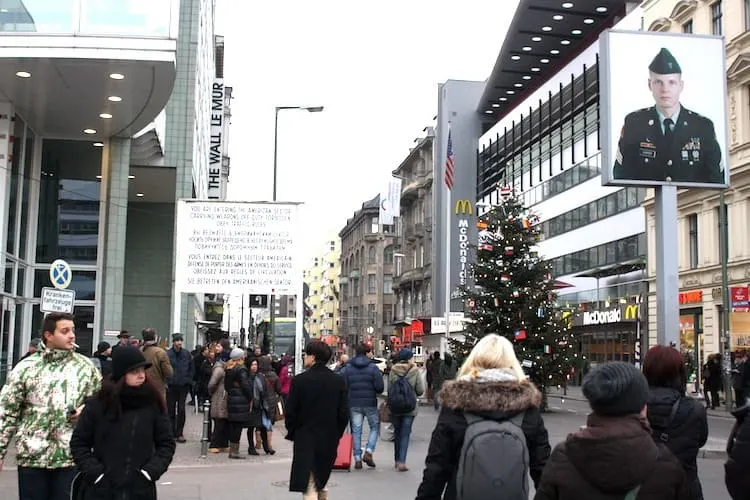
[{"x": 512, "y": 294}]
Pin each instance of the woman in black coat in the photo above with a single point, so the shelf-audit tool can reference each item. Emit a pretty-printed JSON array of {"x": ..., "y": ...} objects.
[
  {"x": 239, "y": 400},
  {"x": 317, "y": 414},
  {"x": 123, "y": 441},
  {"x": 260, "y": 409},
  {"x": 492, "y": 385},
  {"x": 677, "y": 420}
]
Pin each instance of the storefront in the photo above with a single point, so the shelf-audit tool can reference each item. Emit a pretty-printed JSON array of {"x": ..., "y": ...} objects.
[
  {"x": 611, "y": 334},
  {"x": 691, "y": 332}
]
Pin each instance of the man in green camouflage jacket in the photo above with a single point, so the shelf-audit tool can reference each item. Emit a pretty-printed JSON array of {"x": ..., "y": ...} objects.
[{"x": 39, "y": 404}]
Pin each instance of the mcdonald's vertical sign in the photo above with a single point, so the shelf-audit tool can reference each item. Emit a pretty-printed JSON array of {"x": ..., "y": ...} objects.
[{"x": 464, "y": 210}]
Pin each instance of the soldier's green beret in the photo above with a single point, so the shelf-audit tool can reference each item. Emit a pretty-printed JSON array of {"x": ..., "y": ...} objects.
[{"x": 664, "y": 63}]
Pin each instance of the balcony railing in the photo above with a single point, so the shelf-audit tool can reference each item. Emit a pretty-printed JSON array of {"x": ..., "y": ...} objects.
[{"x": 152, "y": 19}]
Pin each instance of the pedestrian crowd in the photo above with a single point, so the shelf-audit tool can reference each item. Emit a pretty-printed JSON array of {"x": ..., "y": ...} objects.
[{"x": 108, "y": 426}]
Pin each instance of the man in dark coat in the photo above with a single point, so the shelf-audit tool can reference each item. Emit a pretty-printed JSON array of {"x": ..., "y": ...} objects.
[
  {"x": 614, "y": 456},
  {"x": 668, "y": 142},
  {"x": 317, "y": 413},
  {"x": 178, "y": 385}
]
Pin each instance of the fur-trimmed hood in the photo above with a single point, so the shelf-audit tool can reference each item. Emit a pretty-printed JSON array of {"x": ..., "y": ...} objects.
[{"x": 490, "y": 397}]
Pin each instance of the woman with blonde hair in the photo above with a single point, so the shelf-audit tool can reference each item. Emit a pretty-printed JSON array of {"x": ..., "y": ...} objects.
[{"x": 490, "y": 385}]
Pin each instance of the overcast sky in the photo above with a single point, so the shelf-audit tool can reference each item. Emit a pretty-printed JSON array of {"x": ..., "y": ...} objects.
[{"x": 375, "y": 66}]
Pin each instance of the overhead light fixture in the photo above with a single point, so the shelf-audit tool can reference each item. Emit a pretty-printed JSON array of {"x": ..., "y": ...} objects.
[
  {"x": 601, "y": 9},
  {"x": 526, "y": 77},
  {"x": 510, "y": 92},
  {"x": 588, "y": 20},
  {"x": 139, "y": 195},
  {"x": 527, "y": 49},
  {"x": 89, "y": 131},
  {"x": 515, "y": 57},
  {"x": 106, "y": 116},
  {"x": 114, "y": 98},
  {"x": 495, "y": 105},
  {"x": 3, "y": 10},
  {"x": 99, "y": 177},
  {"x": 117, "y": 76},
  {"x": 544, "y": 61},
  {"x": 576, "y": 32},
  {"x": 98, "y": 144},
  {"x": 546, "y": 28},
  {"x": 488, "y": 112},
  {"x": 131, "y": 176},
  {"x": 565, "y": 42},
  {"x": 557, "y": 17},
  {"x": 535, "y": 69},
  {"x": 23, "y": 74},
  {"x": 518, "y": 85},
  {"x": 536, "y": 39},
  {"x": 503, "y": 99},
  {"x": 567, "y": 5},
  {"x": 554, "y": 52}
]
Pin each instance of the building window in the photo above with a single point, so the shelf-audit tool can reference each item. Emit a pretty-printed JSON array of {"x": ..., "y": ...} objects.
[
  {"x": 387, "y": 314},
  {"x": 372, "y": 317},
  {"x": 371, "y": 255},
  {"x": 374, "y": 225},
  {"x": 388, "y": 284},
  {"x": 372, "y": 284},
  {"x": 693, "y": 239},
  {"x": 688, "y": 26},
  {"x": 388, "y": 255},
  {"x": 721, "y": 237},
  {"x": 716, "y": 17},
  {"x": 747, "y": 14}
]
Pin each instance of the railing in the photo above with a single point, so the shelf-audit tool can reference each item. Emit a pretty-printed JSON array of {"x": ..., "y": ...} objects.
[{"x": 121, "y": 18}]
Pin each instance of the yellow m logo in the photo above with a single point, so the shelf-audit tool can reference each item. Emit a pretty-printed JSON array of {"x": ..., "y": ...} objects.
[
  {"x": 464, "y": 206},
  {"x": 631, "y": 312}
]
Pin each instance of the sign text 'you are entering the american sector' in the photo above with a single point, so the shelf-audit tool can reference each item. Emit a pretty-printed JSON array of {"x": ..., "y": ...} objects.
[{"x": 237, "y": 248}]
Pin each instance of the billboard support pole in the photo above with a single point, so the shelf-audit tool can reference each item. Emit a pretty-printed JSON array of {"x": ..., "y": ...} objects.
[
  {"x": 299, "y": 339},
  {"x": 667, "y": 282},
  {"x": 725, "y": 346}
]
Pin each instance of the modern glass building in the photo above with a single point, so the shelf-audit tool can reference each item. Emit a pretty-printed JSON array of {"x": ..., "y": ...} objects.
[
  {"x": 545, "y": 142},
  {"x": 105, "y": 120}
]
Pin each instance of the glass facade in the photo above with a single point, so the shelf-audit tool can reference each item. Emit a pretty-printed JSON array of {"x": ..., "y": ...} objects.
[
  {"x": 141, "y": 18},
  {"x": 68, "y": 226},
  {"x": 624, "y": 250}
]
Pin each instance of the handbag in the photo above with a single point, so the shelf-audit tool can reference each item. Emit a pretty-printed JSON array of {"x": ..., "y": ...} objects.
[{"x": 385, "y": 412}]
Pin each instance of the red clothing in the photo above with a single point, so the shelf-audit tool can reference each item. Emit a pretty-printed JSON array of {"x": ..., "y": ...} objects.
[{"x": 285, "y": 379}]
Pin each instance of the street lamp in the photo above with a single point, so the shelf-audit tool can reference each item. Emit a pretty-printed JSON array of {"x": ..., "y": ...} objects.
[{"x": 272, "y": 304}]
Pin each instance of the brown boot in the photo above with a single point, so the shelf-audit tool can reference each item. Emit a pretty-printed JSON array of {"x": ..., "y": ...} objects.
[
  {"x": 234, "y": 451},
  {"x": 258, "y": 441},
  {"x": 367, "y": 458}
]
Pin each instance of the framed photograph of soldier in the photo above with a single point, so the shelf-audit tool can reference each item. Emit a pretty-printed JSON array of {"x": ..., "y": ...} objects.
[{"x": 663, "y": 109}]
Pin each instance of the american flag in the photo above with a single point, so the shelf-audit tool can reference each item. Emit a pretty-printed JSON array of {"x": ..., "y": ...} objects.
[{"x": 449, "y": 165}]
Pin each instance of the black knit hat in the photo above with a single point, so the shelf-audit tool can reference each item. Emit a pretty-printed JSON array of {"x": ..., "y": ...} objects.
[
  {"x": 616, "y": 388},
  {"x": 125, "y": 359}
]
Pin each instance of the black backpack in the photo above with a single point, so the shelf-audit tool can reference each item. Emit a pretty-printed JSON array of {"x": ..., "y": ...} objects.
[
  {"x": 660, "y": 432},
  {"x": 494, "y": 460},
  {"x": 402, "y": 398}
]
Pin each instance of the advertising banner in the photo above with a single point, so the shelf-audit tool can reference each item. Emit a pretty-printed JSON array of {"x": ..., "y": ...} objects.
[
  {"x": 663, "y": 109},
  {"x": 238, "y": 248},
  {"x": 740, "y": 300}
]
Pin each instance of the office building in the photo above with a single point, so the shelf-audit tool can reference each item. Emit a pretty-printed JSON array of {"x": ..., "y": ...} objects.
[
  {"x": 106, "y": 121},
  {"x": 322, "y": 277},
  {"x": 701, "y": 297},
  {"x": 366, "y": 282},
  {"x": 545, "y": 142}
]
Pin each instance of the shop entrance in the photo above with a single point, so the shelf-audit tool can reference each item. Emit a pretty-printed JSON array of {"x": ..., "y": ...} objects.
[{"x": 691, "y": 344}]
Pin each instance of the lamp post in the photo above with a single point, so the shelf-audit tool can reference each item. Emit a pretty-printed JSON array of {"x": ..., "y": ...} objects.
[{"x": 272, "y": 301}]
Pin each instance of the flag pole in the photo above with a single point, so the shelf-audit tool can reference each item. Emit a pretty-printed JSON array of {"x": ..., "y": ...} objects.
[{"x": 448, "y": 200}]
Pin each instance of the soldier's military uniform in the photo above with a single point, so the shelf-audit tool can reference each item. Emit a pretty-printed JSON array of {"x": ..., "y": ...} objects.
[{"x": 645, "y": 152}]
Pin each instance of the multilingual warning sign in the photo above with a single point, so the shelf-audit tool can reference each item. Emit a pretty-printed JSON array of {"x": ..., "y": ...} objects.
[{"x": 237, "y": 248}]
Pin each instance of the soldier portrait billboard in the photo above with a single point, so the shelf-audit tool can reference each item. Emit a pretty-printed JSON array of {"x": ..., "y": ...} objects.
[{"x": 663, "y": 109}]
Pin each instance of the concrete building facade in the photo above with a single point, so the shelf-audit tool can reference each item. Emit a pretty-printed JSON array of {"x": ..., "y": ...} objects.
[
  {"x": 367, "y": 300},
  {"x": 322, "y": 278}
]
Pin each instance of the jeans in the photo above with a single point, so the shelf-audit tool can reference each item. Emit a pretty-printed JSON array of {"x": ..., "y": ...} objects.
[
  {"x": 401, "y": 434},
  {"x": 435, "y": 394},
  {"x": 235, "y": 432},
  {"x": 357, "y": 416},
  {"x": 45, "y": 484},
  {"x": 176, "y": 396},
  {"x": 220, "y": 435}
]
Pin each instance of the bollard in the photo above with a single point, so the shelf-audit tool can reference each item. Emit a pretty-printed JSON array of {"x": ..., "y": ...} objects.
[{"x": 206, "y": 423}]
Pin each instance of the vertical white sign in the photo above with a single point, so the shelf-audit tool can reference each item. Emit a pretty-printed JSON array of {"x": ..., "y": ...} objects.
[
  {"x": 215, "y": 150},
  {"x": 390, "y": 202}
]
